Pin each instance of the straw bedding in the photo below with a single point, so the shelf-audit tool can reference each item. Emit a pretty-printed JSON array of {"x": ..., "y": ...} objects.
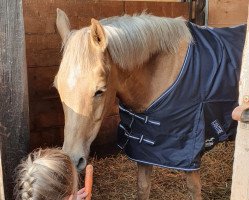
[{"x": 115, "y": 177}]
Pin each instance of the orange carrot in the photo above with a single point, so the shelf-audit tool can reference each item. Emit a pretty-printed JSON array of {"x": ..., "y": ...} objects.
[{"x": 89, "y": 181}]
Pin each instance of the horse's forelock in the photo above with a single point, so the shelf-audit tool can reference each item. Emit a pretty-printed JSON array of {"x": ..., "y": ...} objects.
[{"x": 78, "y": 51}]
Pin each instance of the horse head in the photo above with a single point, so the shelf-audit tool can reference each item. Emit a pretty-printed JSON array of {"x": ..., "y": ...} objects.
[{"x": 85, "y": 85}]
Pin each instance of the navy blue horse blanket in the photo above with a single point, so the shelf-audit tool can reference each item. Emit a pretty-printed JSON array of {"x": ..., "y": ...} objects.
[{"x": 193, "y": 114}]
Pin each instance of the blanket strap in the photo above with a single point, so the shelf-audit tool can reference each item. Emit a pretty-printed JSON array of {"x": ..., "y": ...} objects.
[
  {"x": 143, "y": 118},
  {"x": 139, "y": 139}
]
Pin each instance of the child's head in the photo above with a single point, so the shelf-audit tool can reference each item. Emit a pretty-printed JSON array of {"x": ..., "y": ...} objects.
[{"x": 46, "y": 174}]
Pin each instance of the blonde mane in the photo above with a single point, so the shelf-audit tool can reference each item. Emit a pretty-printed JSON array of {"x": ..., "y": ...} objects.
[{"x": 131, "y": 39}]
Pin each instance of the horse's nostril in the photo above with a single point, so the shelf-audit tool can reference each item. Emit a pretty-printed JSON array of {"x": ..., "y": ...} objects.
[
  {"x": 81, "y": 164},
  {"x": 81, "y": 160}
]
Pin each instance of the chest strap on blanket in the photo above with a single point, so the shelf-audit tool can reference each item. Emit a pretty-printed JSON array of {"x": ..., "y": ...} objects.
[
  {"x": 145, "y": 119},
  {"x": 139, "y": 139}
]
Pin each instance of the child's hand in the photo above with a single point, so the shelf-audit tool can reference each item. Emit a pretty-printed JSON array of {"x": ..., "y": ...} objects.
[{"x": 81, "y": 194}]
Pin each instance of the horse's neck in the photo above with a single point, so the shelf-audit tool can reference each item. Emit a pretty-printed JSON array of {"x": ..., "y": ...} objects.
[{"x": 137, "y": 89}]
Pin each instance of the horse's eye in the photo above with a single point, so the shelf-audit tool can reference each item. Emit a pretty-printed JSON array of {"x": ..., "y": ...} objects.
[{"x": 98, "y": 93}]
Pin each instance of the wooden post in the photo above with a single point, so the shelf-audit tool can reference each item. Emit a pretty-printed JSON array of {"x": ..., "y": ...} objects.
[
  {"x": 199, "y": 12},
  {"x": 1, "y": 176},
  {"x": 240, "y": 180},
  {"x": 14, "y": 131}
]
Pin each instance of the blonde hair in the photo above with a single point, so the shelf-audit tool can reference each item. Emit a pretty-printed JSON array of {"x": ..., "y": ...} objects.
[{"x": 46, "y": 174}]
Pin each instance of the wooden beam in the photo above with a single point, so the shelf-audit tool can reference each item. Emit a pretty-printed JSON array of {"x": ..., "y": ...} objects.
[
  {"x": 14, "y": 131},
  {"x": 158, "y": 8},
  {"x": 199, "y": 12},
  {"x": 240, "y": 179},
  {"x": 148, "y": 0}
]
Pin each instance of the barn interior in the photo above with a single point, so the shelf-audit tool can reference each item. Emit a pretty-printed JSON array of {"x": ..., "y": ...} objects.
[{"x": 115, "y": 175}]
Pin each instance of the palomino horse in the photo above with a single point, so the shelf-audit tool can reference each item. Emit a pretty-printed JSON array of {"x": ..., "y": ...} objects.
[{"x": 170, "y": 79}]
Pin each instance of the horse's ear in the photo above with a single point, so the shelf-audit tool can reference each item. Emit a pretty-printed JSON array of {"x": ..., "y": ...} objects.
[
  {"x": 63, "y": 25},
  {"x": 98, "y": 34}
]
